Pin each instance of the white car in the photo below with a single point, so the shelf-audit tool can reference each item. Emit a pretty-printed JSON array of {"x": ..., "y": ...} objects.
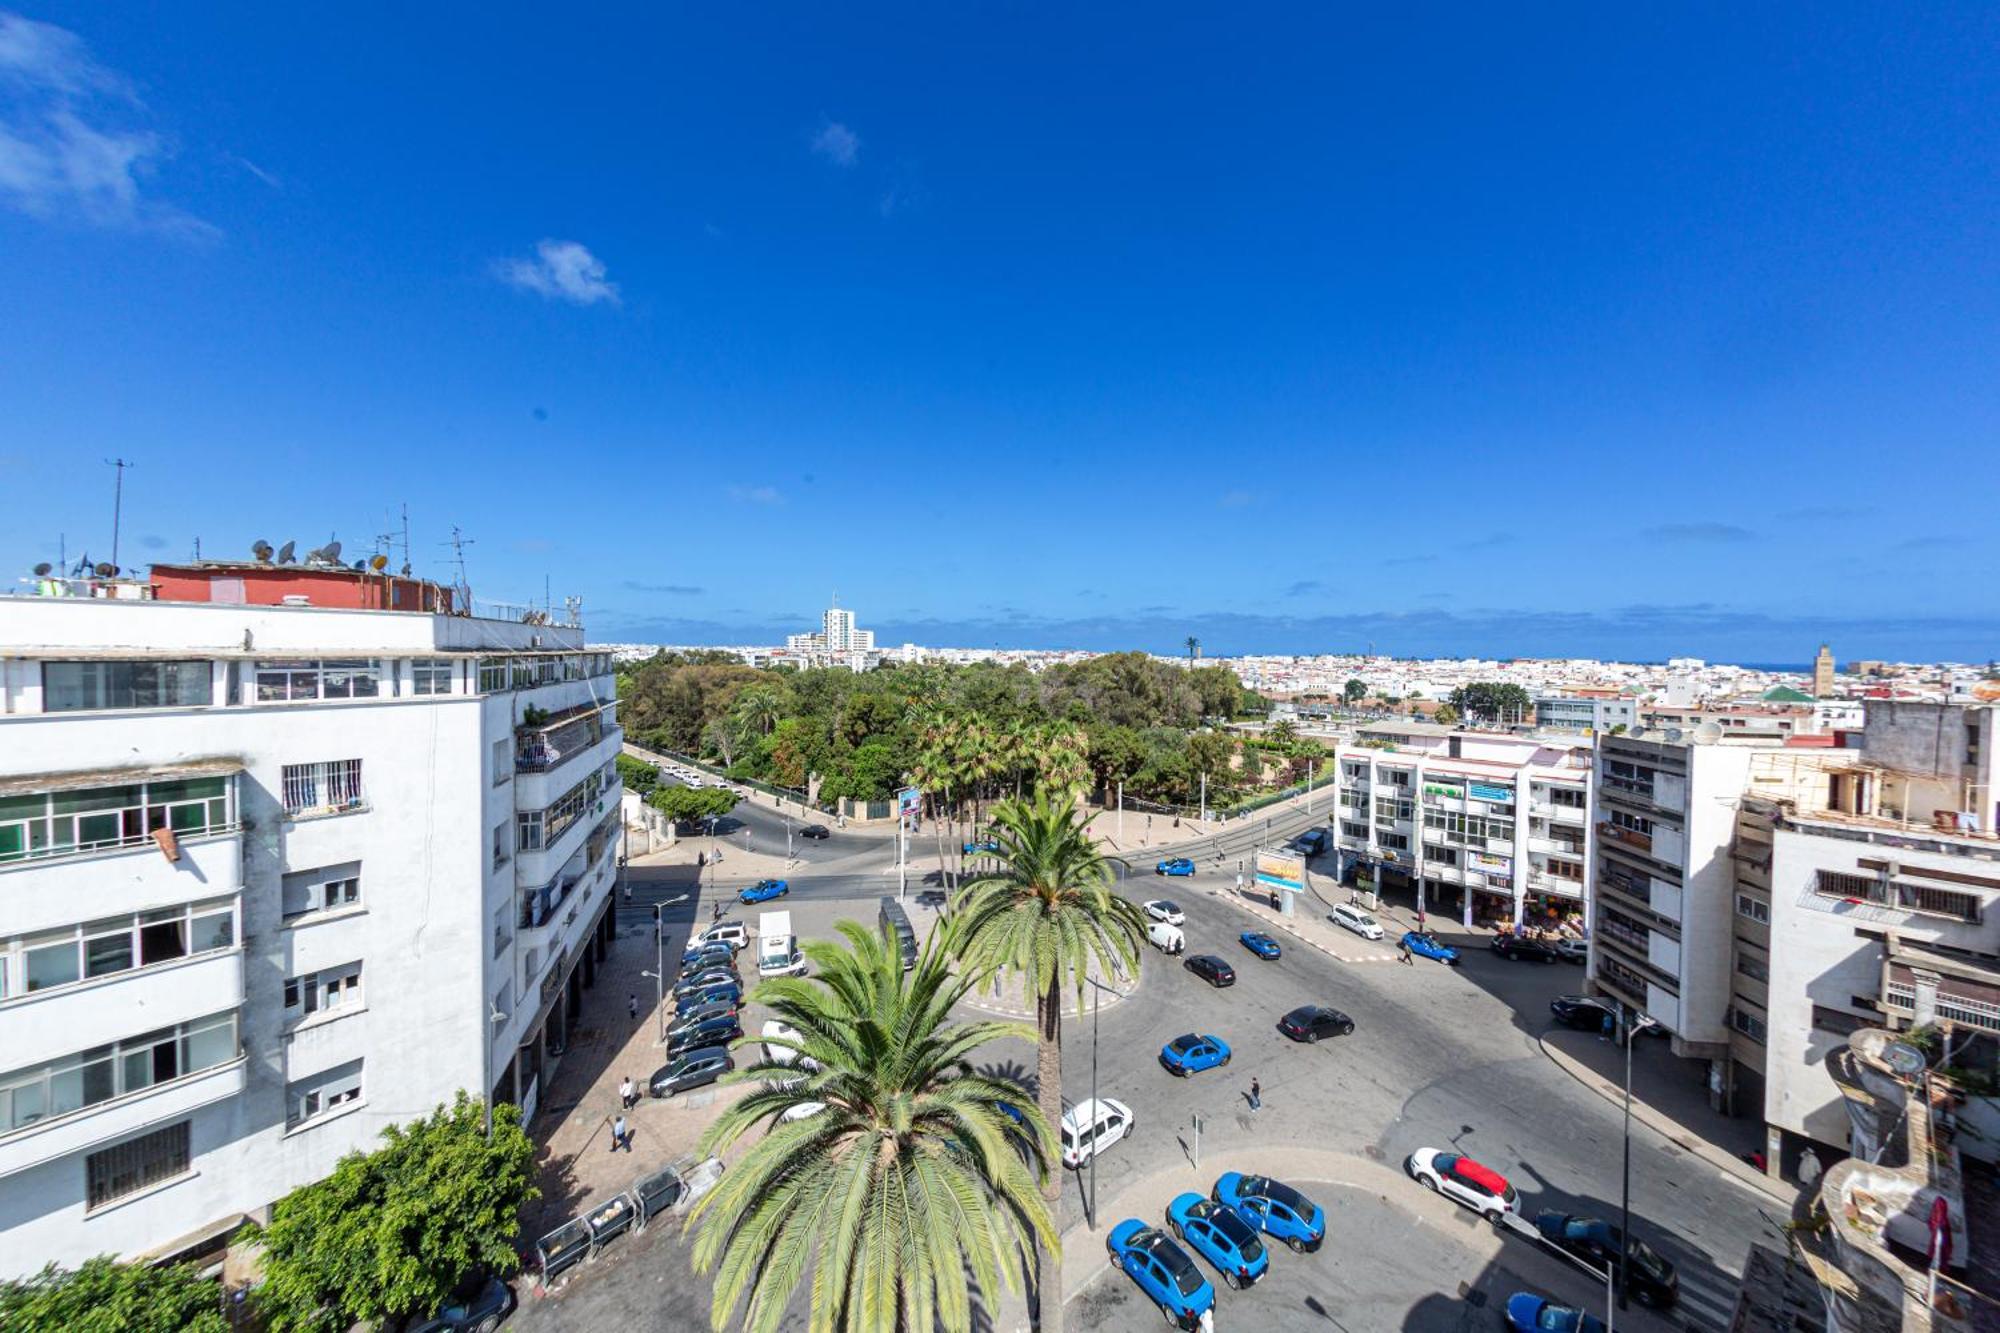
[
  {"x": 1463, "y": 1180},
  {"x": 784, "y": 1055},
  {"x": 732, "y": 933},
  {"x": 1356, "y": 920},
  {"x": 1161, "y": 910},
  {"x": 1573, "y": 950},
  {"x": 1089, "y": 1127},
  {"x": 802, "y": 1111}
]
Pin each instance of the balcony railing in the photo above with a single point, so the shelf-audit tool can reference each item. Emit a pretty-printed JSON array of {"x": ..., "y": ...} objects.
[
  {"x": 541, "y": 748},
  {"x": 1899, "y": 894},
  {"x": 1637, "y": 841}
]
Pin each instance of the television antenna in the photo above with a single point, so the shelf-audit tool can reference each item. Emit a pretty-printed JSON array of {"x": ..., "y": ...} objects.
[
  {"x": 117, "y": 501},
  {"x": 459, "y": 541}
]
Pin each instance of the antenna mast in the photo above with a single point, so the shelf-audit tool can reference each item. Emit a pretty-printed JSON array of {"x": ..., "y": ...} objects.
[{"x": 117, "y": 501}]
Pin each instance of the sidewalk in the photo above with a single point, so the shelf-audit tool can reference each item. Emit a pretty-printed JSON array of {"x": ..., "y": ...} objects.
[{"x": 1309, "y": 926}]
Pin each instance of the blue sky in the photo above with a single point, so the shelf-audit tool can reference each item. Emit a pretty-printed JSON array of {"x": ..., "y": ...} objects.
[{"x": 1566, "y": 330}]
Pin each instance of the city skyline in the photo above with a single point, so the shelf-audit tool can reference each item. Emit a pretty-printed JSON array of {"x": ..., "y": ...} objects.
[{"x": 1483, "y": 338}]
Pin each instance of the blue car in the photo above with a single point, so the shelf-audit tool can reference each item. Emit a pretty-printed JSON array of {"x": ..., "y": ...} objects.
[
  {"x": 1426, "y": 945},
  {"x": 1257, "y": 942},
  {"x": 1529, "y": 1313},
  {"x": 1218, "y": 1235},
  {"x": 764, "y": 890},
  {"x": 1192, "y": 1052},
  {"x": 1180, "y": 865},
  {"x": 1163, "y": 1271},
  {"x": 1274, "y": 1208},
  {"x": 985, "y": 846}
]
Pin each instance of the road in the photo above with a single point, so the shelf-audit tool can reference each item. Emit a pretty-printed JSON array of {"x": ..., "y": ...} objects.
[{"x": 1442, "y": 1057}]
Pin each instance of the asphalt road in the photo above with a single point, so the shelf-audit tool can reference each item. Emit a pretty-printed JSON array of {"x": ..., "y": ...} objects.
[{"x": 1441, "y": 1057}]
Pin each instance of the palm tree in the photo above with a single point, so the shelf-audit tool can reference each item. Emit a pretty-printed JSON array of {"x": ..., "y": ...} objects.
[
  {"x": 1194, "y": 649},
  {"x": 1046, "y": 917},
  {"x": 911, "y": 1173},
  {"x": 759, "y": 708}
]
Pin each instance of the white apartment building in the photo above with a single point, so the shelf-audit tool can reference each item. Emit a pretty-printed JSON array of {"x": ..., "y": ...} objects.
[
  {"x": 274, "y": 877},
  {"x": 1487, "y": 826},
  {"x": 1591, "y": 715},
  {"x": 836, "y": 638}
]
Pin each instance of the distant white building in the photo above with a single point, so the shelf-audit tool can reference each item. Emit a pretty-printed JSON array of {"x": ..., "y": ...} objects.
[
  {"x": 1591, "y": 715},
  {"x": 836, "y": 638},
  {"x": 287, "y": 854}
]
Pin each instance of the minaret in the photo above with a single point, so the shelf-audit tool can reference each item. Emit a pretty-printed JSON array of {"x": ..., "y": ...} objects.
[{"x": 1823, "y": 673}]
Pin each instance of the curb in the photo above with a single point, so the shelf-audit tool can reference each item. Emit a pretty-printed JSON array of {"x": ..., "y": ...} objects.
[
  {"x": 1266, "y": 915},
  {"x": 1671, "y": 1130}
]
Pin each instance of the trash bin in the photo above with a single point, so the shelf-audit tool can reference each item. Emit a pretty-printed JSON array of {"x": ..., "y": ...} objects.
[
  {"x": 611, "y": 1218},
  {"x": 564, "y": 1248},
  {"x": 657, "y": 1193}
]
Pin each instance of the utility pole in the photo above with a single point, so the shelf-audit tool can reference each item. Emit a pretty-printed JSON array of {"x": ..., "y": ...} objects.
[
  {"x": 1121, "y": 812},
  {"x": 903, "y": 859},
  {"x": 117, "y": 501},
  {"x": 1204, "y": 798}
]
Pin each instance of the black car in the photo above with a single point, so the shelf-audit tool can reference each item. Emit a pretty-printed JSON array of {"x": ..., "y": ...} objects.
[
  {"x": 723, "y": 993},
  {"x": 708, "y": 1032},
  {"x": 477, "y": 1306},
  {"x": 1310, "y": 1022},
  {"x": 1585, "y": 1013},
  {"x": 702, "y": 956},
  {"x": 1652, "y": 1281},
  {"x": 706, "y": 979},
  {"x": 1522, "y": 949},
  {"x": 694, "y": 1069},
  {"x": 815, "y": 831},
  {"x": 692, "y": 1017},
  {"x": 1211, "y": 969}
]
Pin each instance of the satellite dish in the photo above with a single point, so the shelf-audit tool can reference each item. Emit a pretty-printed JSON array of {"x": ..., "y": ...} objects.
[
  {"x": 43, "y": 570},
  {"x": 262, "y": 550},
  {"x": 1673, "y": 735},
  {"x": 331, "y": 551},
  {"x": 285, "y": 553},
  {"x": 107, "y": 570},
  {"x": 379, "y": 563},
  {"x": 1708, "y": 733},
  {"x": 361, "y": 564}
]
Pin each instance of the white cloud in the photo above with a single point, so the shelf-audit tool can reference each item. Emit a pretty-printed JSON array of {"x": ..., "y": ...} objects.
[
  {"x": 756, "y": 495},
  {"x": 561, "y": 271},
  {"x": 837, "y": 144},
  {"x": 73, "y": 136}
]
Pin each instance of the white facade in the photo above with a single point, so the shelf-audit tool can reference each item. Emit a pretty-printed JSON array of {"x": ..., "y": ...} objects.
[
  {"x": 386, "y": 881},
  {"x": 1495, "y": 825},
  {"x": 1589, "y": 714}
]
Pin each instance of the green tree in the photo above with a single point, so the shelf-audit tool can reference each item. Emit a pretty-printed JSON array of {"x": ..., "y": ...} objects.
[
  {"x": 1208, "y": 754},
  {"x": 1194, "y": 649},
  {"x": 1046, "y": 918},
  {"x": 1253, "y": 764},
  {"x": 1283, "y": 733},
  {"x": 391, "y": 1233},
  {"x": 686, "y": 805},
  {"x": 1354, "y": 691},
  {"x": 910, "y": 1175},
  {"x": 1446, "y": 715},
  {"x": 105, "y": 1296},
  {"x": 1492, "y": 702},
  {"x": 638, "y": 775}
]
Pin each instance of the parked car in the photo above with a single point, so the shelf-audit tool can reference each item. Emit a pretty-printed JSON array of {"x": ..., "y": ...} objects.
[
  {"x": 477, "y": 1306},
  {"x": 1178, "y": 865},
  {"x": 732, "y": 933},
  {"x": 1192, "y": 1052},
  {"x": 777, "y": 1053},
  {"x": 694, "y": 1069},
  {"x": 1573, "y": 950},
  {"x": 719, "y": 993},
  {"x": 817, "y": 832},
  {"x": 1257, "y": 942},
  {"x": 1160, "y": 909},
  {"x": 982, "y": 847},
  {"x": 1220, "y": 1235},
  {"x": 764, "y": 890},
  {"x": 1585, "y": 1013},
  {"x": 1652, "y": 1281},
  {"x": 1167, "y": 939},
  {"x": 712, "y": 1031},
  {"x": 1357, "y": 920},
  {"x": 1091, "y": 1126},
  {"x": 1529, "y": 1313},
  {"x": 1274, "y": 1208},
  {"x": 1163, "y": 1271},
  {"x": 1522, "y": 949},
  {"x": 1310, "y": 1022},
  {"x": 700, "y": 956},
  {"x": 685, "y": 1022},
  {"x": 706, "y": 979},
  {"x": 1211, "y": 969},
  {"x": 1463, "y": 1180},
  {"x": 1313, "y": 842},
  {"x": 1426, "y": 945}
]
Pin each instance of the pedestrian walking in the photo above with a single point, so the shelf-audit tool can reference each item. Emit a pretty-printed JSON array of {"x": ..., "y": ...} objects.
[
  {"x": 1256, "y": 1095},
  {"x": 628, "y": 1096},
  {"x": 621, "y": 1137},
  {"x": 718, "y": 911},
  {"x": 1809, "y": 1168},
  {"x": 1408, "y": 959},
  {"x": 631, "y": 1005},
  {"x": 1604, "y": 1032}
]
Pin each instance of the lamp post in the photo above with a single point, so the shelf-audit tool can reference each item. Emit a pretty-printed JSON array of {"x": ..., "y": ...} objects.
[
  {"x": 494, "y": 1018},
  {"x": 659, "y": 972},
  {"x": 1628, "y": 1029},
  {"x": 1090, "y": 1210}
]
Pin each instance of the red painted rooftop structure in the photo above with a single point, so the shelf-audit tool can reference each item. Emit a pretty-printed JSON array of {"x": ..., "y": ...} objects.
[{"x": 261, "y": 583}]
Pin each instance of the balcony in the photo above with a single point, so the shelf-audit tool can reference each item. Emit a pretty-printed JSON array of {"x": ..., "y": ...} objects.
[
  {"x": 1543, "y": 882},
  {"x": 545, "y": 772},
  {"x": 1556, "y": 847},
  {"x": 45, "y": 1025},
  {"x": 1641, "y": 843},
  {"x": 121, "y": 1117},
  {"x": 534, "y": 868},
  {"x": 119, "y": 880}
]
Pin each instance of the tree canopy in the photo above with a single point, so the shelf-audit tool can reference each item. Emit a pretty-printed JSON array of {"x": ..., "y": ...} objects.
[
  {"x": 104, "y": 1296},
  {"x": 1488, "y": 701},
  {"x": 686, "y": 805}
]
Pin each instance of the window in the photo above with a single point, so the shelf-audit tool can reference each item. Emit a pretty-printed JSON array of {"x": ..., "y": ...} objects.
[
  {"x": 502, "y": 936},
  {"x": 136, "y": 1164},
  {"x": 1393, "y": 841},
  {"x": 503, "y": 761},
  {"x": 325, "y": 889},
  {"x": 1474, "y": 829},
  {"x": 333, "y": 678},
  {"x": 331, "y": 785},
  {"x": 65, "y": 823},
  {"x": 528, "y": 831},
  {"x": 115, "y": 944},
  {"x": 1635, "y": 823},
  {"x": 1571, "y": 798},
  {"x": 77, "y": 686},
  {"x": 501, "y": 851},
  {"x": 1754, "y": 909},
  {"x": 1349, "y": 830},
  {"x": 431, "y": 675},
  {"x": 1390, "y": 807},
  {"x": 328, "y": 989},
  {"x": 103, "y": 1072},
  {"x": 1753, "y": 968},
  {"x": 307, "y": 1098},
  {"x": 1838, "y": 1021},
  {"x": 1900, "y": 894},
  {"x": 1748, "y": 1024},
  {"x": 536, "y": 829}
]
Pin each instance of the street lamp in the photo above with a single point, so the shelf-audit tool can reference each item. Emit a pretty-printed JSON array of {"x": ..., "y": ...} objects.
[
  {"x": 1090, "y": 1202},
  {"x": 659, "y": 973},
  {"x": 1628, "y": 1029},
  {"x": 495, "y": 1018}
]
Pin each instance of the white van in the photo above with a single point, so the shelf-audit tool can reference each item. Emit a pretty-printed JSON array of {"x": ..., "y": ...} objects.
[
  {"x": 732, "y": 933},
  {"x": 1167, "y": 939},
  {"x": 1089, "y": 1127},
  {"x": 1356, "y": 920}
]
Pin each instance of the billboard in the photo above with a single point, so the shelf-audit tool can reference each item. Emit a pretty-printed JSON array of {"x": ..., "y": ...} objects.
[
  {"x": 908, "y": 801},
  {"x": 1281, "y": 870}
]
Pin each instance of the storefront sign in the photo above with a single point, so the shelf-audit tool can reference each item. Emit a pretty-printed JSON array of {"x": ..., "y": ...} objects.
[
  {"x": 1487, "y": 861},
  {"x": 1483, "y": 791},
  {"x": 1454, "y": 793}
]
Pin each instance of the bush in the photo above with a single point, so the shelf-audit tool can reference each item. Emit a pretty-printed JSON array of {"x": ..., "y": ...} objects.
[
  {"x": 639, "y": 776},
  {"x": 105, "y": 1296}
]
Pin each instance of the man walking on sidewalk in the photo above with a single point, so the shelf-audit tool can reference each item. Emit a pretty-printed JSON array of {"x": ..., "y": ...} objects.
[
  {"x": 621, "y": 1137},
  {"x": 631, "y": 1005},
  {"x": 626, "y": 1094},
  {"x": 1256, "y": 1095}
]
